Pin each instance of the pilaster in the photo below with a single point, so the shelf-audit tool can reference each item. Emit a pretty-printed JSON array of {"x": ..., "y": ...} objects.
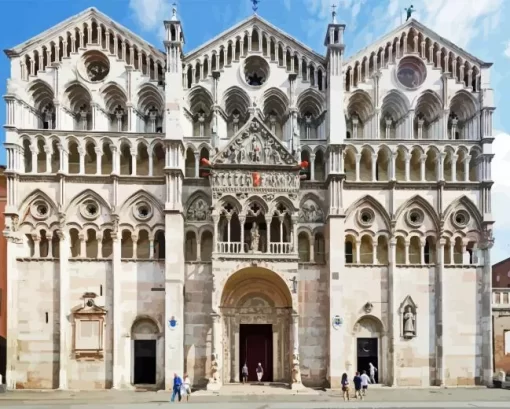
[{"x": 65, "y": 309}]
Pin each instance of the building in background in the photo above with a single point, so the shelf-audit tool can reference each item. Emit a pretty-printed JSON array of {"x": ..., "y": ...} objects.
[
  {"x": 251, "y": 200},
  {"x": 501, "y": 315},
  {"x": 3, "y": 276}
]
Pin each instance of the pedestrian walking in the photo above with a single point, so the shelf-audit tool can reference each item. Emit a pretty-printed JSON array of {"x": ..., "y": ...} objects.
[
  {"x": 372, "y": 370},
  {"x": 260, "y": 372},
  {"x": 357, "y": 386},
  {"x": 245, "y": 373},
  {"x": 345, "y": 387},
  {"x": 176, "y": 390},
  {"x": 187, "y": 387},
  {"x": 365, "y": 380}
]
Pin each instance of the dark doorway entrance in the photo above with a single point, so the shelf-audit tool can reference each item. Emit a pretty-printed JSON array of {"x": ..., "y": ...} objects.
[
  {"x": 145, "y": 362},
  {"x": 368, "y": 353},
  {"x": 256, "y": 345}
]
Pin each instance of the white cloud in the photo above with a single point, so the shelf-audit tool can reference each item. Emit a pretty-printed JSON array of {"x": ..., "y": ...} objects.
[
  {"x": 149, "y": 14},
  {"x": 507, "y": 49}
]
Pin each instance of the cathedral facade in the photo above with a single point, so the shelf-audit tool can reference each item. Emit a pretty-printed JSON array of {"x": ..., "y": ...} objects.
[{"x": 248, "y": 201}]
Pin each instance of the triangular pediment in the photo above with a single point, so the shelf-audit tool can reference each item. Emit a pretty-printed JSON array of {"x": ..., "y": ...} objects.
[
  {"x": 246, "y": 26},
  {"x": 255, "y": 144},
  {"x": 418, "y": 27},
  {"x": 68, "y": 25}
]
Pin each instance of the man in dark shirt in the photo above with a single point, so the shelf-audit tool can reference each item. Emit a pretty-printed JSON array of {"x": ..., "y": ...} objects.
[
  {"x": 357, "y": 386},
  {"x": 177, "y": 388}
]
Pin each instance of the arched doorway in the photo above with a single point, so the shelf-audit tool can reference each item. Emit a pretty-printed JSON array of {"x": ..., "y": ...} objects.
[
  {"x": 256, "y": 306},
  {"x": 370, "y": 342},
  {"x": 147, "y": 352}
]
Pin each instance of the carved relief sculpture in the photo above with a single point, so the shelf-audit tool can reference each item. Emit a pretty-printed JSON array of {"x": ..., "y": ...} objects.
[
  {"x": 198, "y": 211},
  {"x": 214, "y": 369},
  {"x": 311, "y": 213},
  {"x": 296, "y": 372}
]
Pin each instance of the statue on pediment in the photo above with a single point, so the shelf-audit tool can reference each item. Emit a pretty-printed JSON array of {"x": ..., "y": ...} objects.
[
  {"x": 255, "y": 237},
  {"x": 255, "y": 153}
]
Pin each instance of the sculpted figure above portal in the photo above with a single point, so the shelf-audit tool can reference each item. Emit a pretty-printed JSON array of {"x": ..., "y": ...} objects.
[
  {"x": 198, "y": 211},
  {"x": 255, "y": 145},
  {"x": 311, "y": 213}
]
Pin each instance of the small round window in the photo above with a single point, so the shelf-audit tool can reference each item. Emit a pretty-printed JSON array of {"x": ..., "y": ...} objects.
[
  {"x": 40, "y": 210},
  {"x": 461, "y": 218},
  {"x": 411, "y": 72},
  {"x": 366, "y": 217},
  {"x": 90, "y": 209},
  {"x": 142, "y": 211},
  {"x": 415, "y": 217}
]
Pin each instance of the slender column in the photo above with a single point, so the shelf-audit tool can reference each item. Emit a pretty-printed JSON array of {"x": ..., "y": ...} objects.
[
  {"x": 268, "y": 233},
  {"x": 358, "y": 158},
  {"x": 98, "y": 160},
  {"x": 65, "y": 339},
  {"x": 466, "y": 168},
  {"x": 295, "y": 335},
  {"x": 242, "y": 220},
  {"x": 117, "y": 312},
  {"x": 374, "y": 167},
  {"x": 406, "y": 249},
  {"x": 441, "y": 308},
  {"x": 358, "y": 248},
  {"x": 423, "y": 158}
]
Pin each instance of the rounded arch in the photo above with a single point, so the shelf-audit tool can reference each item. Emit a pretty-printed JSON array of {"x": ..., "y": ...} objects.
[
  {"x": 236, "y": 98},
  {"x": 200, "y": 98},
  {"x": 360, "y": 104},
  {"x": 149, "y": 97},
  {"x": 394, "y": 104},
  {"x": 145, "y": 325},
  {"x": 113, "y": 96},
  {"x": 275, "y": 100},
  {"x": 311, "y": 101},
  {"x": 368, "y": 326},
  {"x": 41, "y": 94},
  {"x": 255, "y": 282}
]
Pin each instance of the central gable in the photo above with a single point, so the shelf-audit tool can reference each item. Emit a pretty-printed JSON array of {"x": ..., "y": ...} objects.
[{"x": 255, "y": 144}]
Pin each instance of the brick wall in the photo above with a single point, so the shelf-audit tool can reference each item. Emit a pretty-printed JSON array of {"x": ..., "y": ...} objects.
[{"x": 501, "y": 274}]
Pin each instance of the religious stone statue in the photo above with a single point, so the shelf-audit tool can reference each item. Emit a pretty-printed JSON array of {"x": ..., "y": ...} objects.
[
  {"x": 255, "y": 150},
  {"x": 310, "y": 213},
  {"x": 214, "y": 369},
  {"x": 296, "y": 373},
  {"x": 198, "y": 211},
  {"x": 409, "y": 11},
  {"x": 255, "y": 236},
  {"x": 409, "y": 320}
]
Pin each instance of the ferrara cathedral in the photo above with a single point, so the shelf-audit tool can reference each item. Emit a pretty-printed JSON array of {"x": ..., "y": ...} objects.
[{"x": 249, "y": 201}]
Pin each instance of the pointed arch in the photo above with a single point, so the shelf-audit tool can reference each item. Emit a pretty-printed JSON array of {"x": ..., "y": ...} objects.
[
  {"x": 200, "y": 194},
  {"x": 464, "y": 105},
  {"x": 149, "y": 96},
  {"x": 395, "y": 104},
  {"x": 141, "y": 195},
  {"x": 312, "y": 101},
  {"x": 275, "y": 100},
  {"x": 76, "y": 95},
  {"x": 429, "y": 104},
  {"x": 236, "y": 98},
  {"x": 113, "y": 95},
  {"x": 200, "y": 98},
  {"x": 424, "y": 204},
  {"x": 41, "y": 94},
  {"x": 470, "y": 207},
  {"x": 88, "y": 193},
  {"x": 259, "y": 201},
  {"x": 360, "y": 103},
  {"x": 367, "y": 199},
  {"x": 37, "y": 194},
  {"x": 283, "y": 200}
]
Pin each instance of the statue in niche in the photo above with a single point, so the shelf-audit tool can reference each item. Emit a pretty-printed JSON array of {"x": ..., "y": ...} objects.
[
  {"x": 198, "y": 211},
  {"x": 255, "y": 237},
  {"x": 311, "y": 213},
  {"x": 409, "y": 323},
  {"x": 214, "y": 369}
]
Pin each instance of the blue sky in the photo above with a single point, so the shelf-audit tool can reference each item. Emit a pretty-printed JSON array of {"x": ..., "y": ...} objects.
[{"x": 476, "y": 25}]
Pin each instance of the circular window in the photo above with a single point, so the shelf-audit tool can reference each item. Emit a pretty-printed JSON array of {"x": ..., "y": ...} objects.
[
  {"x": 142, "y": 211},
  {"x": 40, "y": 210},
  {"x": 255, "y": 71},
  {"x": 411, "y": 72},
  {"x": 415, "y": 217},
  {"x": 366, "y": 217},
  {"x": 96, "y": 66},
  {"x": 461, "y": 218},
  {"x": 90, "y": 209}
]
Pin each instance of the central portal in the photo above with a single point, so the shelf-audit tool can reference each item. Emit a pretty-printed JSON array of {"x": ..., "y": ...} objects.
[{"x": 256, "y": 346}]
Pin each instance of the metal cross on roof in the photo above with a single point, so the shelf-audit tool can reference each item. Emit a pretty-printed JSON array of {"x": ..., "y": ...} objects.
[{"x": 333, "y": 13}]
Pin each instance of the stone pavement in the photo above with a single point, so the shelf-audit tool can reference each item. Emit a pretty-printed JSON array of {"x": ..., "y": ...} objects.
[{"x": 264, "y": 397}]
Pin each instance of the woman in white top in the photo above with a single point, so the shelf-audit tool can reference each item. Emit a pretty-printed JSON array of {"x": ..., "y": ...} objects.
[{"x": 187, "y": 386}]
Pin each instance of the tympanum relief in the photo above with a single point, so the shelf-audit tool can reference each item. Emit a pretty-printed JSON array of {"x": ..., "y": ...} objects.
[
  {"x": 255, "y": 145},
  {"x": 311, "y": 212},
  {"x": 198, "y": 211},
  {"x": 254, "y": 180}
]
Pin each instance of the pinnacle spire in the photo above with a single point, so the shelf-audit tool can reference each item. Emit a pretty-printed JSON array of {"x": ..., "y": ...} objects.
[{"x": 174, "y": 12}]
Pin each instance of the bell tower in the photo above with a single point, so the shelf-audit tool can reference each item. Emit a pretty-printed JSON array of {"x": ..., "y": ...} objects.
[
  {"x": 174, "y": 217},
  {"x": 336, "y": 130}
]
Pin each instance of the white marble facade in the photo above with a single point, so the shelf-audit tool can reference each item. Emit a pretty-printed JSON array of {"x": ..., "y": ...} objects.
[{"x": 174, "y": 197}]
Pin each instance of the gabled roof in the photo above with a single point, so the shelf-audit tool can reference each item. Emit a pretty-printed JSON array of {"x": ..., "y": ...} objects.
[
  {"x": 71, "y": 22},
  {"x": 255, "y": 145},
  {"x": 261, "y": 23},
  {"x": 412, "y": 23}
]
